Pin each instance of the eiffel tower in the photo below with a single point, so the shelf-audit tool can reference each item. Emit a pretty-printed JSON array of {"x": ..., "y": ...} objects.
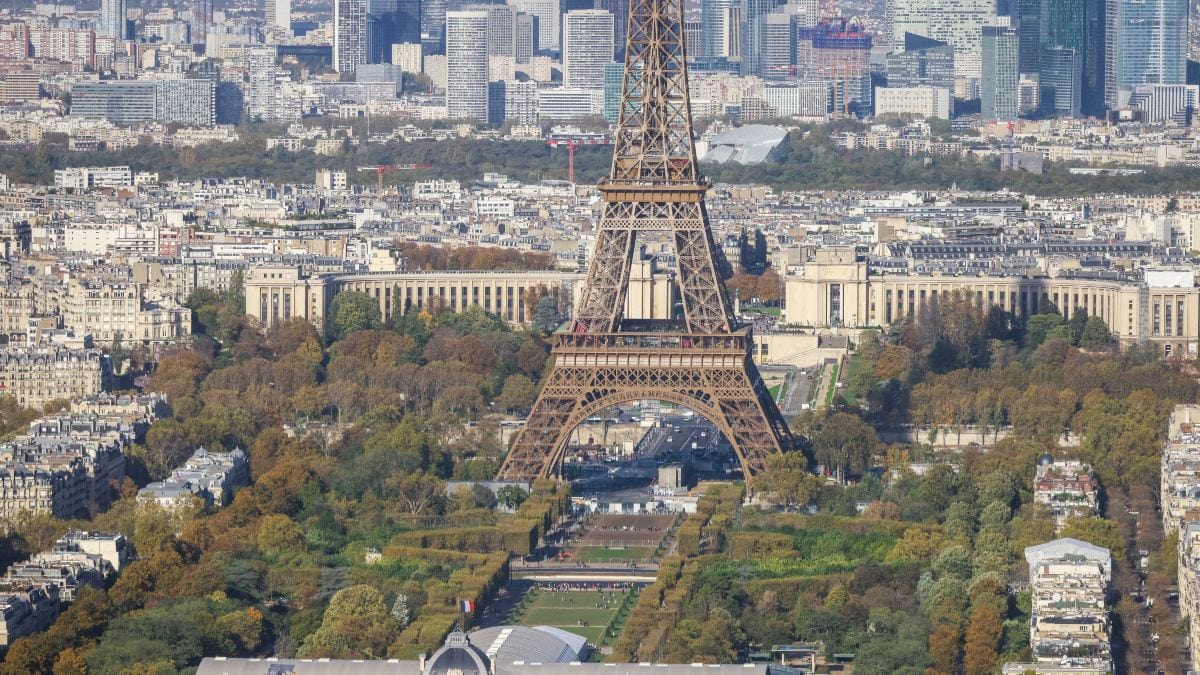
[{"x": 700, "y": 360}]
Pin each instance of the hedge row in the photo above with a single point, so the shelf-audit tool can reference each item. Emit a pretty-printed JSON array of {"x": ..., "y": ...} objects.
[
  {"x": 757, "y": 520},
  {"x": 520, "y": 534},
  {"x": 660, "y": 603},
  {"x": 478, "y": 579},
  {"x": 748, "y": 545}
]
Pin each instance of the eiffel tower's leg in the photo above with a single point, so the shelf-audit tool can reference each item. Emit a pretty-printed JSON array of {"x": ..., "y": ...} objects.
[
  {"x": 756, "y": 429},
  {"x": 538, "y": 448},
  {"x": 703, "y": 293},
  {"x": 603, "y": 300}
]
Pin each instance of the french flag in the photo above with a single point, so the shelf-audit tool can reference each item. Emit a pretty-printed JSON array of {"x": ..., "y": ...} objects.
[{"x": 467, "y": 606}]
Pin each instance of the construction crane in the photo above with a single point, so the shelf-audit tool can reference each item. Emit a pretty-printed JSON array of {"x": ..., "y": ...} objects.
[
  {"x": 381, "y": 169},
  {"x": 573, "y": 138}
]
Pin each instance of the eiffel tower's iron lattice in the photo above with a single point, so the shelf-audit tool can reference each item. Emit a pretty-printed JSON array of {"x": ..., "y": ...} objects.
[{"x": 704, "y": 362}]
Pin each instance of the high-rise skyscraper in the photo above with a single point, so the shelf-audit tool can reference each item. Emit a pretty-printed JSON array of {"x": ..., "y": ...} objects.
[
  {"x": 620, "y": 12},
  {"x": 923, "y": 63},
  {"x": 349, "y": 34},
  {"x": 467, "y": 65},
  {"x": 201, "y": 19},
  {"x": 1061, "y": 82},
  {"x": 718, "y": 28},
  {"x": 999, "y": 61},
  {"x": 391, "y": 22},
  {"x": 112, "y": 19},
  {"x": 1145, "y": 43},
  {"x": 433, "y": 26},
  {"x": 587, "y": 47},
  {"x": 1027, "y": 18},
  {"x": 524, "y": 37},
  {"x": 614, "y": 77},
  {"x": 754, "y": 14},
  {"x": 837, "y": 51},
  {"x": 260, "y": 88},
  {"x": 1063, "y": 40},
  {"x": 778, "y": 58},
  {"x": 1093, "y": 58},
  {"x": 279, "y": 14},
  {"x": 955, "y": 22},
  {"x": 502, "y": 34},
  {"x": 545, "y": 13}
]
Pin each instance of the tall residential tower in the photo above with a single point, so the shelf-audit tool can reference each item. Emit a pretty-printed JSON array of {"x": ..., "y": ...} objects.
[{"x": 467, "y": 64}]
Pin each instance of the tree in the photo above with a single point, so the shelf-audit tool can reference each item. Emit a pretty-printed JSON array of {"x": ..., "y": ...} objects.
[
  {"x": 984, "y": 630},
  {"x": 1097, "y": 531},
  {"x": 546, "y": 316},
  {"x": 893, "y": 361},
  {"x": 511, "y": 497},
  {"x": 418, "y": 492},
  {"x": 1038, "y": 328},
  {"x": 518, "y": 393},
  {"x": 787, "y": 482},
  {"x": 70, "y": 662},
  {"x": 1096, "y": 335},
  {"x": 1079, "y": 320},
  {"x": 944, "y": 644},
  {"x": 355, "y": 625},
  {"x": 352, "y": 311},
  {"x": 845, "y": 443},
  {"x": 917, "y": 544},
  {"x": 278, "y": 535}
]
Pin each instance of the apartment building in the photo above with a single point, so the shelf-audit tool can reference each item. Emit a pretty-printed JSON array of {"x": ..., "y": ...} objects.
[
  {"x": 25, "y": 613},
  {"x": 212, "y": 477},
  {"x": 112, "y": 309},
  {"x": 1068, "y": 488},
  {"x": 39, "y": 376},
  {"x": 76, "y": 560},
  {"x": 1069, "y": 626},
  {"x": 1179, "y": 483},
  {"x": 1180, "y": 501},
  {"x": 67, "y": 464}
]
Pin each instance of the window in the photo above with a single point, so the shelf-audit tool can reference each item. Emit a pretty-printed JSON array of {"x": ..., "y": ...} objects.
[{"x": 835, "y": 304}]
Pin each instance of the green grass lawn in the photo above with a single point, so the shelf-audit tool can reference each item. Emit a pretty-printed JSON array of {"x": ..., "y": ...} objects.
[
  {"x": 833, "y": 378},
  {"x": 775, "y": 391},
  {"x": 602, "y": 554},
  {"x": 565, "y": 609},
  {"x": 850, "y": 393}
]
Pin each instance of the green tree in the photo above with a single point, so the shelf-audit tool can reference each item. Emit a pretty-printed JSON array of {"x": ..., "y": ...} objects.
[
  {"x": 518, "y": 393},
  {"x": 546, "y": 316},
  {"x": 845, "y": 443},
  {"x": 356, "y": 624},
  {"x": 511, "y": 497},
  {"x": 351, "y": 311},
  {"x": 1096, "y": 335},
  {"x": 1038, "y": 328},
  {"x": 1079, "y": 320},
  {"x": 897, "y": 645},
  {"x": 1098, "y": 531},
  {"x": 787, "y": 482}
]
